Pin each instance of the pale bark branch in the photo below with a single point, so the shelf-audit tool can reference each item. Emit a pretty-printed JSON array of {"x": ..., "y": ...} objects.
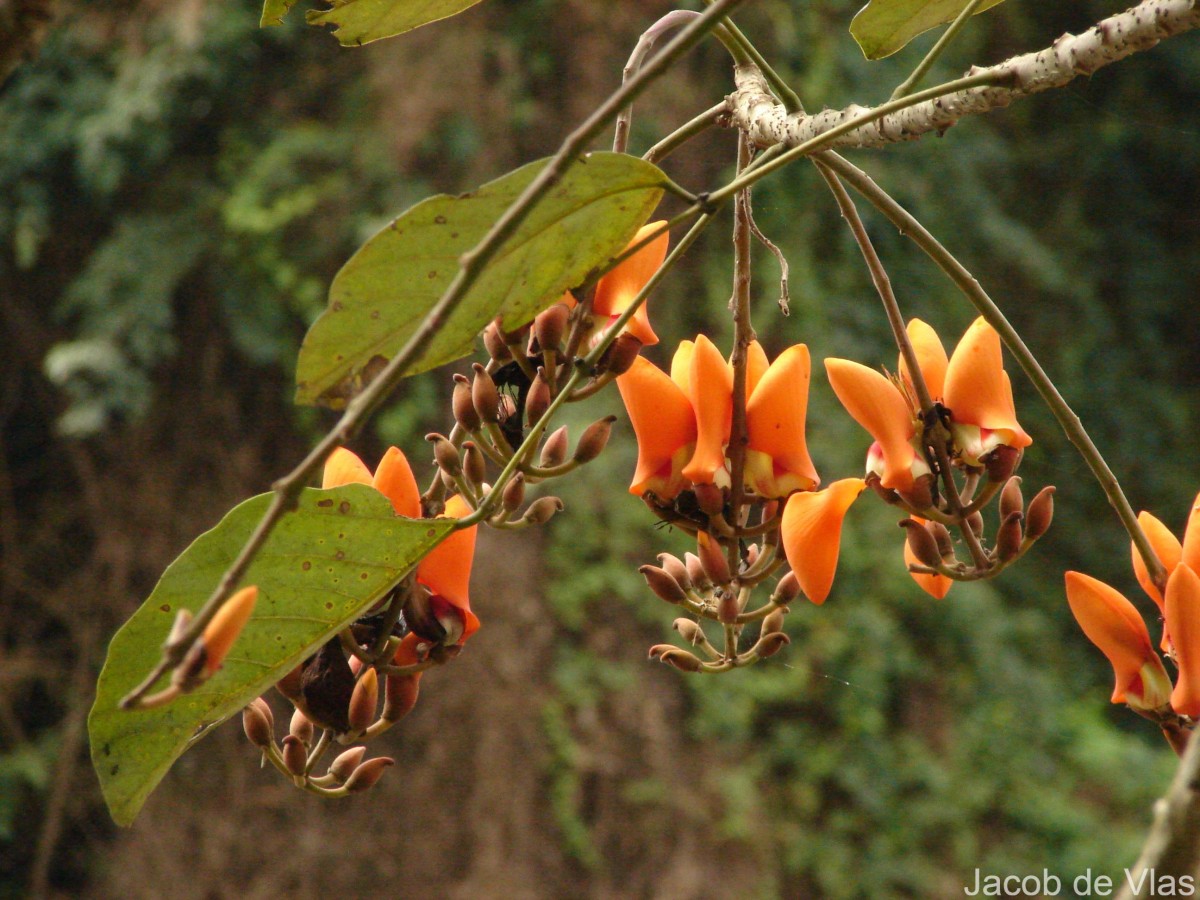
[{"x": 754, "y": 110}]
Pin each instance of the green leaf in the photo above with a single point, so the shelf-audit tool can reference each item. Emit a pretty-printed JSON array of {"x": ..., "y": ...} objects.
[
  {"x": 884, "y": 26},
  {"x": 359, "y": 22},
  {"x": 382, "y": 294},
  {"x": 274, "y": 12},
  {"x": 326, "y": 563}
]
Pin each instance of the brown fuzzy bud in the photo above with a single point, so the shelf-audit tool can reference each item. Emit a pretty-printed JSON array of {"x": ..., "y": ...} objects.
[
  {"x": 921, "y": 494},
  {"x": 537, "y": 401},
  {"x": 514, "y": 493},
  {"x": 363, "y": 701},
  {"x": 945, "y": 543},
  {"x": 922, "y": 543},
  {"x": 696, "y": 573},
  {"x": 463, "y": 406},
  {"x": 676, "y": 569},
  {"x": 975, "y": 523},
  {"x": 542, "y": 510},
  {"x": 345, "y": 764},
  {"x": 554, "y": 451},
  {"x": 676, "y": 656},
  {"x": 787, "y": 590},
  {"x": 594, "y": 439},
  {"x": 1008, "y": 538},
  {"x": 712, "y": 557},
  {"x": 1041, "y": 514},
  {"x": 710, "y": 499},
  {"x": 474, "y": 463},
  {"x": 301, "y": 727},
  {"x": 445, "y": 454},
  {"x": 484, "y": 395},
  {"x": 621, "y": 354},
  {"x": 367, "y": 774},
  {"x": 289, "y": 684},
  {"x": 690, "y": 631},
  {"x": 773, "y": 621},
  {"x": 771, "y": 643},
  {"x": 550, "y": 325},
  {"x": 259, "y": 723},
  {"x": 400, "y": 696},
  {"x": 727, "y": 606},
  {"x": 493, "y": 341},
  {"x": 294, "y": 756},
  {"x": 663, "y": 585},
  {"x": 1002, "y": 462},
  {"x": 1011, "y": 500}
]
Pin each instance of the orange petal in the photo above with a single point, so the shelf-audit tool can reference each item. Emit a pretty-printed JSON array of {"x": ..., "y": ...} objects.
[
  {"x": 756, "y": 366},
  {"x": 1113, "y": 625},
  {"x": 977, "y": 390},
  {"x": 663, "y": 423},
  {"x": 710, "y": 389},
  {"x": 812, "y": 534},
  {"x": 446, "y": 570},
  {"x": 931, "y": 357},
  {"x": 879, "y": 407},
  {"x": 616, "y": 290},
  {"x": 1166, "y": 548},
  {"x": 394, "y": 479},
  {"x": 681, "y": 365},
  {"x": 937, "y": 586},
  {"x": 344, "y": 467},
  {"x": 1191, "y": 538},
  {"x": 777, "y": 460},
  {"x": 1182, "y": 609},
  {"x": 224, "y": 627}
]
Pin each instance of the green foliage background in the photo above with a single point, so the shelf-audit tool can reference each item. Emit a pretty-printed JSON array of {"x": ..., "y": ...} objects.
[{"x": 177, "y": 189}]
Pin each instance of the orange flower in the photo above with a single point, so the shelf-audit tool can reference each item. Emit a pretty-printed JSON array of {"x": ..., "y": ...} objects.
[
  {"x": 616, "y": 289},
  {"x": 1112, "y": 624},
  {"x": 446, "y": 569},
  {"x": 972, "y": 385},
  {"x": 812, "y": 534},
  {"x": 225, "y": 626},
  {"x": 1170, "y": 553},
  {"x": 682, "y": 421},
  {"x": 1182, "y": 610}
]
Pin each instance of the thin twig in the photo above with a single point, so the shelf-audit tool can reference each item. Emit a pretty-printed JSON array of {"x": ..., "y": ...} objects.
[
  {"x": 905, "y": 87},
  {"x": 743, "y": 334}
]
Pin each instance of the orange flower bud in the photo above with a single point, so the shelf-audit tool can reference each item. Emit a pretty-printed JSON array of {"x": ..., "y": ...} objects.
[
  {"x": 712, "y": 558},
  {"x": 1182, "y": 611}
]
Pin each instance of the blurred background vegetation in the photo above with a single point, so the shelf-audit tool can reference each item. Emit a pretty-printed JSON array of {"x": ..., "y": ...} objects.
[{"x": 177, "y": 189}]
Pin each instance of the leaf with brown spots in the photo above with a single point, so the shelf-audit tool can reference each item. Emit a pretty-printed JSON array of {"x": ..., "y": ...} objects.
[{"x": 326, "y": 563}]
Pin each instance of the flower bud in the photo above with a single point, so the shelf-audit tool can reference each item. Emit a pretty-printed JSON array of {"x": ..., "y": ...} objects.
[
  {"x": 289, "y": 684},
  {"x": 1008, "y": 538},
  {"x": 975, "y": 523},
  {"x": 474, "y": 463},
  {"x": 676, "y": 569},
  {"x": 773, "y": 621},
  {"x": 258, "y": 723},
  {"x": 294, "y": 756},
  {"x": 621, "y": 354},
  {"x": 484, "y": 395},
  {"x": 727, "y": 606},
  {"x": 493, "y": 342},
  {"x": 752, "y": 553},
  {"x": 514, "y": 493},
  {"x": 1041, "y": 513},
  {"x": 690, "y": 631},
  {"x": 712, "y": 558},
  {"x": 363, "y": 701},
  {"x": 1010, "y": 498},
  {"x": 787, "y": 590},
  {"x": 537, "y": 401},
  {"x": 554, "y": 451},
  {"x": 945, "y": 543},
  {"x": 1002, "y": 462},
  {"x": 922, "y": 543},
  {"x": 301, "y": 727},
  {"x": 696, "y": 573},
  {"x": 206, "y": 655},
  {"x": 367, "y": 774},
  {"x": 345, "y": 764},
  {"x": 676, "y": 656},
  {"x": 664, "y": 586},
  {"x": 542, "y": 510},
  {"x": 550, "y": 325},
  {"x": 710, "y": 499},
  {"x": 400, "y": 696},
  {"x": 463, "y": 406},
  {"x": 594, "y": 439},
  {"x": 445, "y": 454},
  {"x": 771, "y": 643},
  {"x": 887, "y": 495},
  {"x": 920, "y": 496}
]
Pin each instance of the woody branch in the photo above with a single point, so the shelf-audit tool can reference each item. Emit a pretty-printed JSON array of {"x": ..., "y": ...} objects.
[{"x": 754, "y": 110}]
